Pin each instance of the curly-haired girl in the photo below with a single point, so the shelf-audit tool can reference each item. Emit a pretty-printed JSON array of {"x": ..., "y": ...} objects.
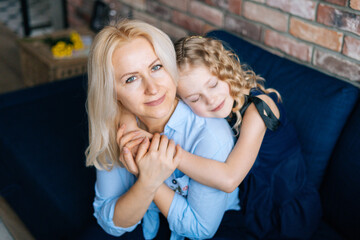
[{"x": 276, "y": 199}]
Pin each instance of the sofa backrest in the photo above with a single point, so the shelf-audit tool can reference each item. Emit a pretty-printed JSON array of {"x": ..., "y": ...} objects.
[{"x": 317, "y": 104}]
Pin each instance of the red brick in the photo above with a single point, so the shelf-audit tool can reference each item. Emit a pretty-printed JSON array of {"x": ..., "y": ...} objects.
[
  {"x": 146, "y": 18},
  {"x": 337, "y": 65},
  {"x": 172, "y": 30},
  {"x": 339, "y": 19},
  {"x": 288, "y": 45},
  {"x": 243, "y": 27},
  {"x": 210, "y": 14},
  {"x": 180, "y": 5},
  {"x": 208, "y": 28},
  {"x": 355, "y": 4},
  {"x": 319, "y": 35},
  {"x": 159, "y": 11},
  {"x": 189, "y": 23},
  {"x": 352, "y": 47},
  {"x": 301, "y": 8},
  {"x": 223, "y": 4},
  {"x": 337, "y": 2},
  {"x": 139, "y": 4},
  {"x": 233, "y": 6},
  {"x": 273, "y": 18}
]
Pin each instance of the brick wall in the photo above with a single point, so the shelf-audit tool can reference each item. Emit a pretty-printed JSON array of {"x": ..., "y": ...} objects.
[{"x": 322, "y": 34}]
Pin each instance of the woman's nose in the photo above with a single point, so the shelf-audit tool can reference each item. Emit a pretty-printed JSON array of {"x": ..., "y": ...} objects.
[{"x": 150, "y": 86}]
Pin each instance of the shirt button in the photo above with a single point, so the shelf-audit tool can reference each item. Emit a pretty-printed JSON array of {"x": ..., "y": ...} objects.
[{"x": 174, "y": 181}]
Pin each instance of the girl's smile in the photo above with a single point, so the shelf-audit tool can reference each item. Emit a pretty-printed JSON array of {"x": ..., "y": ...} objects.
[{"x": 219, "y": 107}]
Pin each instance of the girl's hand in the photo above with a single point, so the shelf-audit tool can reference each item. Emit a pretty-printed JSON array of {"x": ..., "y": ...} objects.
[
  {"x": 128, "y": 144},
  {"x": 155, "y": 160}
]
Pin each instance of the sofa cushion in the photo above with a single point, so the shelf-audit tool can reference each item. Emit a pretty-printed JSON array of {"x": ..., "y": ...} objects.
[
  {"x": 317, "y": 104},
  {"x": 325, "y": 232},
  {"x": 340, "y": 191},
  {"x": 43, "y": 136}
]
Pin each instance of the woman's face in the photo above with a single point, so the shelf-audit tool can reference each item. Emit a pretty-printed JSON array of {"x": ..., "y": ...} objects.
[
  {"x": 142, "y": 84},
  {"x": 207, "y": 95}
]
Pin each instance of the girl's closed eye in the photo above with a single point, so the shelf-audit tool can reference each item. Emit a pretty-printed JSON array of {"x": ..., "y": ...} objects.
[
  {"x": 194, "y": 99},
  {"x": 214, "y": 84}
]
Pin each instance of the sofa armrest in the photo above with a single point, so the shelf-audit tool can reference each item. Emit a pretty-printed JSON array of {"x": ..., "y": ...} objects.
[
  {"x": 340, "y": 191},
  {"x": 43, "y": 136}
]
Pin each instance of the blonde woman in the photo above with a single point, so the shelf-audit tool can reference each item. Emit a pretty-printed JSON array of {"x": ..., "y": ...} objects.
[{"x": 132, "y": 67}]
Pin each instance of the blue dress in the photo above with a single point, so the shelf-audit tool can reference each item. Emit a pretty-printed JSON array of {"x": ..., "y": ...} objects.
[{"x": 276, "y": 199}]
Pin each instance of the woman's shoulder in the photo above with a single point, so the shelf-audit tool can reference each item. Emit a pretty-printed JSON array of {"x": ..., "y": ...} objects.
[
  {"x": 191, "y": 125},
  {"x": 207, "y": 137}
]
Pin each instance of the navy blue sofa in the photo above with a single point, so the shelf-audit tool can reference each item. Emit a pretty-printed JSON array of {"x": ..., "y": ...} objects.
[{"x": 43, "y": 136}]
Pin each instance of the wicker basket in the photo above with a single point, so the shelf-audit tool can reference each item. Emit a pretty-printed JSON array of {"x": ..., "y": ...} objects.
[{"x": 39, "y": 66}]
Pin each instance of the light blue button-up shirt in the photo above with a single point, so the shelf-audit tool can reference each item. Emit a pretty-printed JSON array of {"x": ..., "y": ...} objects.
[{"x": 197, "y": 210}]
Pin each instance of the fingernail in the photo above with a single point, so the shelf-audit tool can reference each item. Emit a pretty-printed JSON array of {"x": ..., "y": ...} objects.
[{"x": 126, "y": 150}]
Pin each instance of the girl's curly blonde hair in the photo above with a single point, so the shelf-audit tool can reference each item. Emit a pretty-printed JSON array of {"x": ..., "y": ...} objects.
[{"x": 196, "y": 51}]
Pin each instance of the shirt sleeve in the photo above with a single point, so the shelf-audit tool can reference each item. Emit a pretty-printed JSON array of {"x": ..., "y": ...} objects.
[
  {"x": 200, "y": 214},
  {"x": 109, "y": 186}
]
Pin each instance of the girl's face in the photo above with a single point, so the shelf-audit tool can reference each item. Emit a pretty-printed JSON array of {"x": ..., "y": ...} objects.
[
  {"x": 207, "y": 95},
  {"x": 143, "y": 86}
]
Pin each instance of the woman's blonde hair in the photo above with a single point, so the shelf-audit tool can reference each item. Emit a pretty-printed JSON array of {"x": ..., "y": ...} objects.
[
  {"x": 102, "y": 106},
  {"x": 196, "y": 51}
]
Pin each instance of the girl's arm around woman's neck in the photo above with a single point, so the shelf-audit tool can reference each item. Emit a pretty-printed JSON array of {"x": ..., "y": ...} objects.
[{"x": 227, "y": 176}]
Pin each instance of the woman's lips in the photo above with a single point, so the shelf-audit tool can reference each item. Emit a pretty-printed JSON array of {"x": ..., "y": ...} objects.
[
  {"x": 218, "y": 107},
  {"x": 156, "y": 102}
]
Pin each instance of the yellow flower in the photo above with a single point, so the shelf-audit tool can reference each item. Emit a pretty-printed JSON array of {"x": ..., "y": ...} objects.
[
  {"x": 61, "y": 49},
  {"x": 76, "y": 40}
]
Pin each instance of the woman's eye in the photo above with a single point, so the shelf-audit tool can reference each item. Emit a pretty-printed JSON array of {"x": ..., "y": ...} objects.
[
  {"x": 156, "y": 67},
  {"x": 130, "y": 79}
]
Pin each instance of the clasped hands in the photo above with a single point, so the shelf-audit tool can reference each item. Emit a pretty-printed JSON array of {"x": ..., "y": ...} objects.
[{"x": 152, "y": 158}]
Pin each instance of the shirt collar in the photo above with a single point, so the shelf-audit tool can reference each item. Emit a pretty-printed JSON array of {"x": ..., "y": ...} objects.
[{"x": 179, "y": 116}]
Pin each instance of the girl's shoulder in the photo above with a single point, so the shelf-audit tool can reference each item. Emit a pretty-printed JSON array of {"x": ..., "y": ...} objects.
[
  {"x": 266, "y": 105},
  {"x": 271, "y": 103}
]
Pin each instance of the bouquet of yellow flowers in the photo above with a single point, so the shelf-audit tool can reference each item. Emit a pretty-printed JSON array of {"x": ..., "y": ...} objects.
[{"x": 64, "y": 46}]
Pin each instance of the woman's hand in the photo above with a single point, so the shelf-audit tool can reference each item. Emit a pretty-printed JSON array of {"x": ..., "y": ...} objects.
[
  {"x": 156, "y": 161},
  {"x": 128, "y": 143}
]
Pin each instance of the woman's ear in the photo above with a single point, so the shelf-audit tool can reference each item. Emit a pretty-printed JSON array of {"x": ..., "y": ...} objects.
[{"x": 118, "y": 113}]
